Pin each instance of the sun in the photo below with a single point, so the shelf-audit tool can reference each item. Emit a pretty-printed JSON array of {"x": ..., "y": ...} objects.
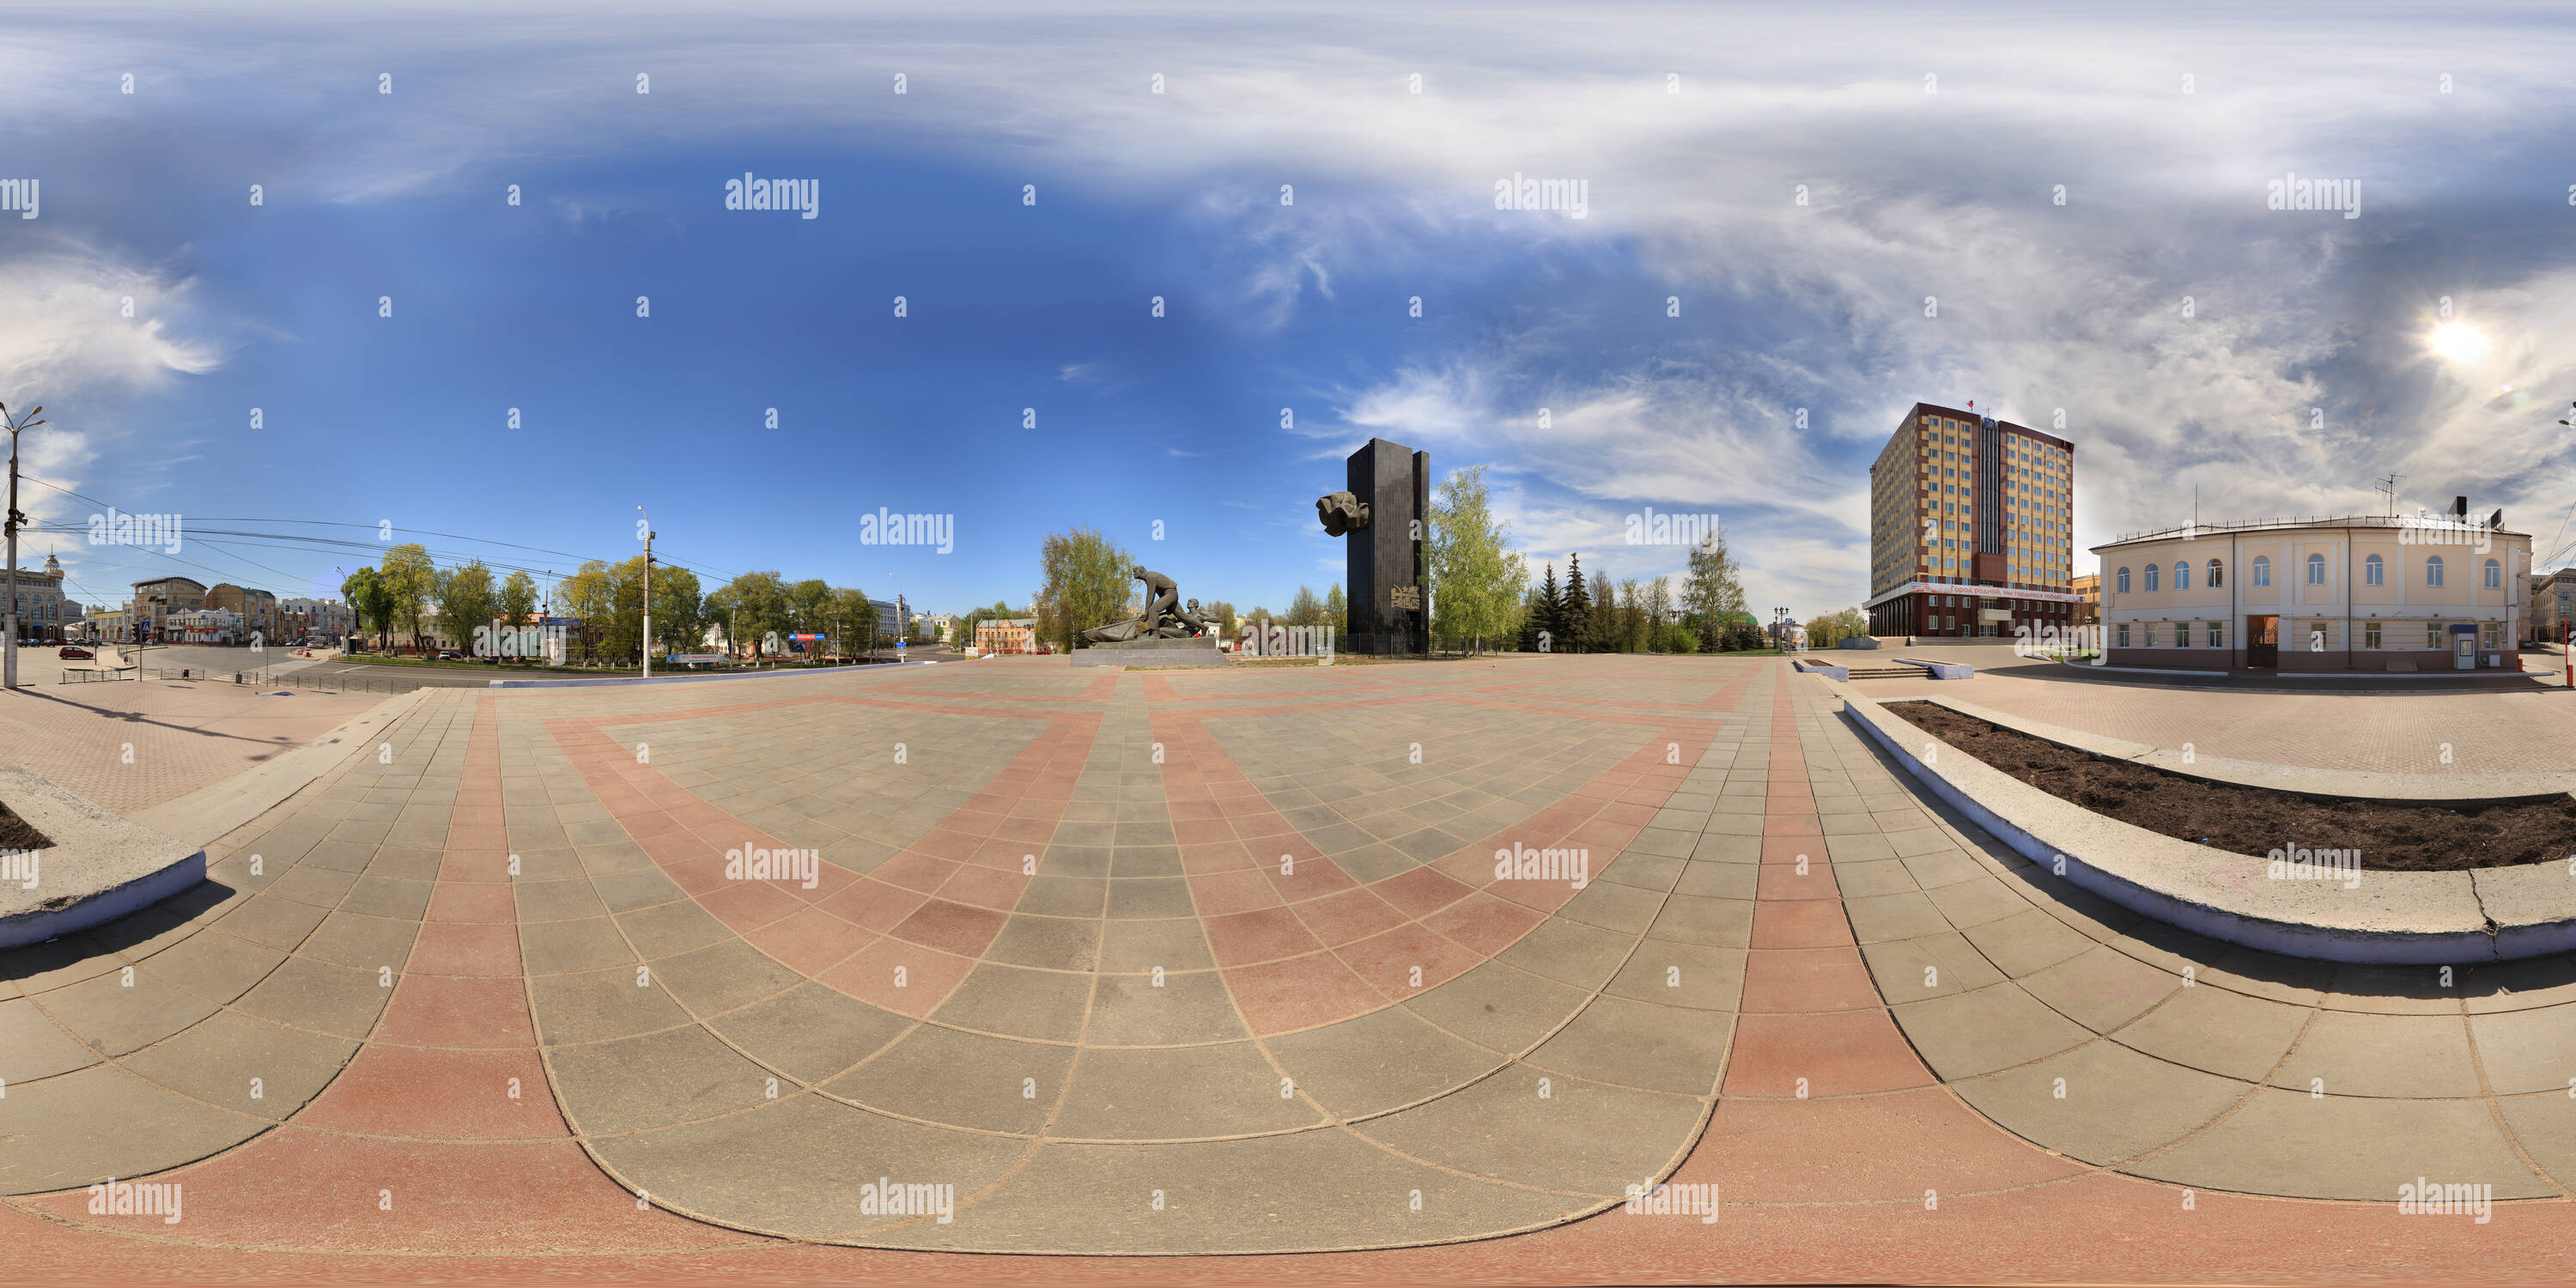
[{"x": 2458, "y": 342}]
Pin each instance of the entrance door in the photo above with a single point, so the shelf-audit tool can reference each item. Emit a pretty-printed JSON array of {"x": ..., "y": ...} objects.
[
  {"x": 2263, "y": 641},
  {"x": 2464, "y": 652}
]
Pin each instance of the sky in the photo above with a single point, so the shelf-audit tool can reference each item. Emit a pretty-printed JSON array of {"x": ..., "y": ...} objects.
[{"x": 1798, "y": 221}]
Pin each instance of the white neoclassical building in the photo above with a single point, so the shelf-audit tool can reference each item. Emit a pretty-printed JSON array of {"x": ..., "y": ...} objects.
[{"x": 2411, "y": 593}]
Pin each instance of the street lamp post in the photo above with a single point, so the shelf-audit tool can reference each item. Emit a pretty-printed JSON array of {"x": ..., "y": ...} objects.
[
  {"x": 648, "y": 592},
  {"x": 9, "y": 622}
]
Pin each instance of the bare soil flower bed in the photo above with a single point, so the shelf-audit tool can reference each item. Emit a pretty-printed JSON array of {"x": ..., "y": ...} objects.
[
  {"x": 2401, "y": 836},
  {"x": 18, "y": 834}
]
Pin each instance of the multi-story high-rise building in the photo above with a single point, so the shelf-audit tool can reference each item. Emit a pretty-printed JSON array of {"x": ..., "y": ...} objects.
[{"x": 1971, "y": 527}]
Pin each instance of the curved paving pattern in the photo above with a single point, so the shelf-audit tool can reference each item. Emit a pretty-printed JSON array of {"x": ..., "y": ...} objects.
[{"x": 1130, "y": 963}]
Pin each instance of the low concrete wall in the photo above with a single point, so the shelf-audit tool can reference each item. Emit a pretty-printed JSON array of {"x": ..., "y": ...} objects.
[
  {"x": 1202, "y": 651},
  {"x": 1943, "y": 670},
  {"x": 1819, "y": 668},
  {"x": 100, "y": 867},
  {"x": 2391, "y": 918},
  {"x": 1859, "y": 641}
]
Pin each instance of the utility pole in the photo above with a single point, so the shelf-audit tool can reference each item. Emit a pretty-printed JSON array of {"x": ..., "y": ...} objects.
[
  {"x": 9, "y": 623},
  {"x": 647, "y": 524}
]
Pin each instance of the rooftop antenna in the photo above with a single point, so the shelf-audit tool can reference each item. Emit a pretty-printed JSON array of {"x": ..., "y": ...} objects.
[{"x": 2388, "y": 487}]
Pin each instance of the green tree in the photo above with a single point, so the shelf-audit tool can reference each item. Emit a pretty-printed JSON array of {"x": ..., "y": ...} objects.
[
  {"x": 519, "y": 598},
  {"x": 1712, "y": 588},
  {"x": 1222, "y": 613},
  {"x": 1737, "y": 632},
  {"x": 679, "y": 610},
  {"x": 750, "y": 607},
  {"x": 1305, "y": 609},
  {"x": 1477, "y": 577},
  {"x": 1337, "y": 611},
  {"x": 372, "y": 599},
  {"x": 466, "y": 600},
  {"x": 853, "y": 621},
  {"x": 413, "y": 579},
  {"x": 1545, "y": 611},
  {"x": 805, "y": 604},
  {"x": 1085, "y": 581},
  {"x": 1604, "y": 629},
  {"x": 589, "y": 596},
  {"x": 1835, "y": 627}
]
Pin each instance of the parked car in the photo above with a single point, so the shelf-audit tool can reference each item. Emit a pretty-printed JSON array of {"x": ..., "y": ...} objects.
[
  {"x": 450, "y": 655},
  {"x": 75, "y": 650}
]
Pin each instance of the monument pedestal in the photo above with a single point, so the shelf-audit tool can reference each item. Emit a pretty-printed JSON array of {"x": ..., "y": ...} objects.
[
  {"x": 1198, "y": 651},
  {"x": 1382, "y": 518}
]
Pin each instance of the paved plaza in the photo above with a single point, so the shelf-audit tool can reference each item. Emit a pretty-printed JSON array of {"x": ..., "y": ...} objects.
[
  {"x": 132, "y": 744},
  {"x": 838, "y": 976}
]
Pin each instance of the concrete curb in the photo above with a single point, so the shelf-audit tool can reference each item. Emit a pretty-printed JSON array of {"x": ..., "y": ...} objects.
[
  {"x": 2389, "y": 918},
  {"x": 100, "y": 867},
  {"x": 1842, "y": 673},
  {"x": 208, "y": 814},
  {"x": 1943, "y": 670}
]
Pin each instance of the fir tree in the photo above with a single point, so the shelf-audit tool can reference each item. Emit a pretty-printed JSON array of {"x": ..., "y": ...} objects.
[
  {"x": 1574, "y": 613},
  {"x": 1548, "y": 614}
]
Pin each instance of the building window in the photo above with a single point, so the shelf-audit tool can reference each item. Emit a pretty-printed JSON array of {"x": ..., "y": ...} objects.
[
  {"x": 2151, "y": 576},
  {"x": 2316, "y": 570},
  {"x": 2217, "y": 632},
  {"x": 2124, "y": 581},
  {"x": 2124, "y": 634},
  {"x": 2151, "y": 635},
  {"x": 2495, "y": 577},
  {"x": 2321, "y": 636},
  {"x": 2488, "y": 633},
  {"x": 2217, "y": 575},
  {"x": 2182, "y": 576},
  {"x": 2370, "y": 635},
  {"x": 2432, "y": 635},
  {"x": 2374, "y": 571},
  {"x": 2433, "y": 570}
]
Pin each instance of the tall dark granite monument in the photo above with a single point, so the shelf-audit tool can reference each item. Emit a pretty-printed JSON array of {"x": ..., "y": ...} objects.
[{"x": 1381, "y": 519}]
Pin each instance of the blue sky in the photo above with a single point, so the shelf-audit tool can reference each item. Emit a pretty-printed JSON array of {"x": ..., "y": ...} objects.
[{"x": 1930, "y": 154}]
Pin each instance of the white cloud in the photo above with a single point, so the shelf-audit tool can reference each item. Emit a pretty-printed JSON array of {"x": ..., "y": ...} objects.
[
  {"x": 65, "y": 331},
  {"x": 65, "y": 341}
]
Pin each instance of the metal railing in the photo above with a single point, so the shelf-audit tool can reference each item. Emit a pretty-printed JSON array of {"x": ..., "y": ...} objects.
[{"x": 335, "y": 683}]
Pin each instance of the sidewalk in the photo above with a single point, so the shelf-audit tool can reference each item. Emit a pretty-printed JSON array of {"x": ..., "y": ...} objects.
[{"x": 128, "y": 745}]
